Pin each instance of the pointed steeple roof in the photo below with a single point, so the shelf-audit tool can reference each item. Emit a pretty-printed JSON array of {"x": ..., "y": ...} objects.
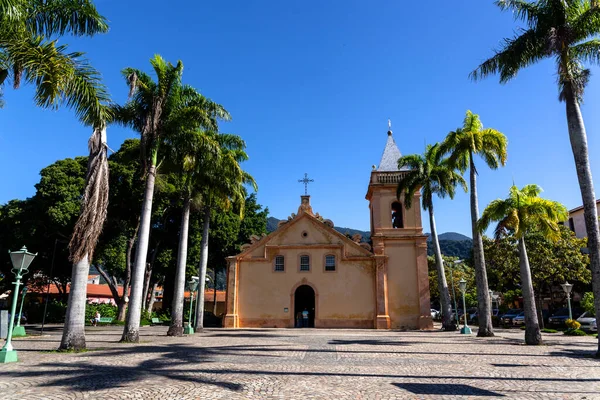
[{"x": 391, "y": 154}]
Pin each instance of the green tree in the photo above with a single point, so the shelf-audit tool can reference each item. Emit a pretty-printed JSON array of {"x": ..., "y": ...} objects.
[
  {"x": 29, "y": 32},
  {"x": 432, "y": 175},
  {"x": 224, "y": 186},
  {"x": 64, "y": 78},
  {"x": 520, "y": 213},
  {"x": 566, "y": 31},
  {"x": 45, "y": 221},
  {"x": 458, "y": 271},
  {"x": 464, "y": 144},
  {"x": 114, "y": 255},
  {"x": 556, "y": 260},
  {"x": 192, "y": 153},
  {"x": 155, "y": 110},
  {"x": 587, "y": 303}
]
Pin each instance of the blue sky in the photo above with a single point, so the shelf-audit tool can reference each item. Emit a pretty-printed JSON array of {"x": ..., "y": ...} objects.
[{"x": 311, "y": 85}]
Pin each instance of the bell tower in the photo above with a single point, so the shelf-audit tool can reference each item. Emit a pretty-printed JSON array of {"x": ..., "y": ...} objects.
[{"x": 400, "y": 247}]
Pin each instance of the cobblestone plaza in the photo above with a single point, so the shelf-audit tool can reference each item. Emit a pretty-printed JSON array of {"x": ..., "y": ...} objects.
[{"x": 303, "y": 364}]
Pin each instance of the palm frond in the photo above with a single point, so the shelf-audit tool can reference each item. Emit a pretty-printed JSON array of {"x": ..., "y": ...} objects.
[
  {"x": 522, "y": 10},
  {"x": 515, "y": 53},
  {"x": 58, "y": 17}
]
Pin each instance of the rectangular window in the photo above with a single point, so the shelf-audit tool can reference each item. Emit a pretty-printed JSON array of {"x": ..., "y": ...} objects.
[
  {"x": 304, "y": 263},
  {"x": 279, "y": 263},
  {"x": 571, "y": 224},
  {"x": 330, "y": 263}
]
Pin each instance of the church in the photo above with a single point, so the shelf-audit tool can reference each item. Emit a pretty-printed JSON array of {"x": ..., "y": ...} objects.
[{"x": 306, "y": 265}]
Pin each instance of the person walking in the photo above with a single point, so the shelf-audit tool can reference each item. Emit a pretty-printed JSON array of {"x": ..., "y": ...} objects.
[{"x": 305, "y": 318}]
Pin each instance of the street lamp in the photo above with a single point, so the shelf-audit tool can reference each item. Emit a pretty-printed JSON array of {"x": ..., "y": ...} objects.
[
  {"x": 20, "y": 261},
  {"x": 192, "y": 285},
  {"x": 567, "y": 287},
  {"x": 495, "y": 298},
  {"x": 20, "y": 330},
  {"x": 462, "y": 285}
]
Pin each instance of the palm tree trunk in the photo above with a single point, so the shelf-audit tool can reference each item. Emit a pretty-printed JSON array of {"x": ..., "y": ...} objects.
[
  {"x": 73, "y": 337},
  {"x": 85, "y": 236},
  {"x": 484, "y": 312},
  {"x": 148, "y": 277},
  {"x": 578, "y": 138},
  {"x": 113, "y": 285},
  {"x": 540, "y": 307},
  {"x": 215, "y": 292},
  {"x": 533, "y": 335},
  {"x": 131, "y": 331},
  {"x": 203, "y": 265},
  {"x": 176, "y": 328},
  {"x": 446, "y": 307}
]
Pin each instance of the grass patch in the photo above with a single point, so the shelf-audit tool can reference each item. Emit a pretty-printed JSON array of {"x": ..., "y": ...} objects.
[
  {"x": 73, "y": 351},
  {"x": 575, "y": 332},
  {"x": 546, "y": 330}
]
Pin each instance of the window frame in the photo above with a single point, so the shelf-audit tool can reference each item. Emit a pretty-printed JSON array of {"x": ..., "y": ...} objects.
[
  {"x": 300, "y": 263},
  {"x": 325, "y": 263},
  {"x": 275, "y": 263}
]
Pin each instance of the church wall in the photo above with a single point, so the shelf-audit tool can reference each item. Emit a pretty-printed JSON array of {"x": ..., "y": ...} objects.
[
  {"x": 344, "y": 298},
  {"x": 403, "y": 286}
]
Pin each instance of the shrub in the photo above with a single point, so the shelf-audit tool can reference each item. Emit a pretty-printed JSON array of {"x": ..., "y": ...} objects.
[
  {"x": 105, "y": 310},
  {"x": 54, "y": 314},
  {"x": 575, "y": 332},
  {"x": 588, "y": 302},
  {"x": 572, "y": 324},
  {"x": 546, "y": 330}
]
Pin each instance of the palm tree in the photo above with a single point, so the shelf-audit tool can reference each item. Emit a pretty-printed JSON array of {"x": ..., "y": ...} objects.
[
  {"x": 224, "y": 187},
  {"x": 566, "y": 31},
  {"x": 27, "y": 52},
  {"x": 157, "y": 110},
  {"x": 521, "y": 213},
  {"x": 432, "y": 174},
  {"x": 191, "y": 153},
  {"x": 64, "y": 78},
  {"x": 463, "y": 144}
]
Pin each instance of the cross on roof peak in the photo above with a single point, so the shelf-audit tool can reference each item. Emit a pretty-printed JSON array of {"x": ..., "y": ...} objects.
[{"x": 305, "y": 181}]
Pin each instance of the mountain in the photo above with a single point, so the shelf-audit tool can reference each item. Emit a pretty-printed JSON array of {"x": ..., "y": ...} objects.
[
  {"x": 452, "y": 244},
  {"x": 454, "y": 236},
  {"x": 366, "y": 236}
]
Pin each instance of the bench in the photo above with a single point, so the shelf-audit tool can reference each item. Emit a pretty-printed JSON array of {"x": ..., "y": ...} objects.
[
  {"x": 105, "y": 320},
  {"x": 156, "y": 321}
]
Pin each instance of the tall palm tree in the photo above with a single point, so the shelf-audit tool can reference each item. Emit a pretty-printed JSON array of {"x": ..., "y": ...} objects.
[
  {"x": 157, "y": 110},
  {"x": 463, "y": 145},
  {"x": 566, "y": 31},
  {"x": 520, "y": 213},
  {"x": 224, "y": 187},
  {"x": 432, "y": 174},
  {"x": 65, "y": 78},
  {"x": 29, "y": 50},
  {"x": 190, "y": 154}
]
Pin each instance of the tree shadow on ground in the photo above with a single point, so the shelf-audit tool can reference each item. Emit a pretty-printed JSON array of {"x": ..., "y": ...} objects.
[
  {"x": 85, "y": 376},
  {"x": 247, "y": 335},
  {"x": 445, "y": 388}
]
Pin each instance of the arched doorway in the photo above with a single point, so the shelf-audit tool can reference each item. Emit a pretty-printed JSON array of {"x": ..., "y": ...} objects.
[{"x": 304, "y": 299}]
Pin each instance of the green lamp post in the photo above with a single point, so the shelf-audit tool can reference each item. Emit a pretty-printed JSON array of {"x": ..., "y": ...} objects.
[
  {"x": 192, "y": 285},
  {"x": 20, "y": 261},
  {"x": 20, "y": 330},
  {"x": 462, "y": 285}
]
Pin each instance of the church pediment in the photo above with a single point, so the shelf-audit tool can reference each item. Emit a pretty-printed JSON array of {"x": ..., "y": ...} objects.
[{"x": 304, "y": 230}]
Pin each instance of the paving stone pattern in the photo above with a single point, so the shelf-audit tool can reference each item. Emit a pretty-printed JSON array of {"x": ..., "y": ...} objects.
[{"x": 303, "y": 364}]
